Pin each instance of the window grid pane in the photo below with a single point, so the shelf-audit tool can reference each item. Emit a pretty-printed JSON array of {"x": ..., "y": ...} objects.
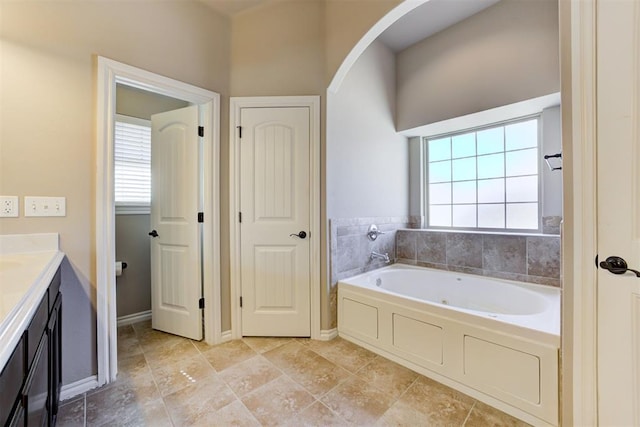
[{"x": 485, "y": 178}]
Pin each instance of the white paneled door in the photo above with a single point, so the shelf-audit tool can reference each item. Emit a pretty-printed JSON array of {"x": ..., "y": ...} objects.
[
  {"x": 274, "y": 204},
  {"x": 175, "y": 250},
  {"x": 618, "y": 141}
]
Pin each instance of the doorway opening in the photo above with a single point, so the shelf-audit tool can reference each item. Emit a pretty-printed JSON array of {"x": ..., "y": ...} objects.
[
  {"x": 282, "y": 135},
  {"x": 132, "y": 196},
  {"x": 112, "y": 74}
]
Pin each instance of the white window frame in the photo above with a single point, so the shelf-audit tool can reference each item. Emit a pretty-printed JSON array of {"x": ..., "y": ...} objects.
[
  {"x": 539, "y": 147},
  {"x": 131, "y": 208}
]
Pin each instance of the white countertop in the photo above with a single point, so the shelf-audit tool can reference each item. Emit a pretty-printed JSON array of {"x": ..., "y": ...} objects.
[{"x": 28, "y": 262}]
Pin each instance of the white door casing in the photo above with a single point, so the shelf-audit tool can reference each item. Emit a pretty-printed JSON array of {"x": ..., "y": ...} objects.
[
  {"x": 110, "y": 73},
  {"x": 618, "y": 157},
  {"x": 279, "y": 310},
  {"x": 175, "y": 251},
  {"x": 274, "y": 194}
]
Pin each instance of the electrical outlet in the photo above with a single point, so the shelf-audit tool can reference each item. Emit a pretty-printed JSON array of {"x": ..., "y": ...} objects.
[
  {"x": 45, "y": 206},
  {"x": 9, "y": 206}
]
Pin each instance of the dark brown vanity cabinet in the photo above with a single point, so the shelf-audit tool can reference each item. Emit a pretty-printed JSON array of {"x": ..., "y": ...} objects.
[
  {"x": 30, "y": 382},
  {"x": 11, "y": 380}
]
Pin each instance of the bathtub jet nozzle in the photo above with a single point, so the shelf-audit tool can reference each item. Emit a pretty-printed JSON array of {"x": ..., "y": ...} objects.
[{"x": 376, "y": 255}]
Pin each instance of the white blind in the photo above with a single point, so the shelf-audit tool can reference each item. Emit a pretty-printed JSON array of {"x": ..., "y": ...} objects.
[{"x": 132, "y": 161}]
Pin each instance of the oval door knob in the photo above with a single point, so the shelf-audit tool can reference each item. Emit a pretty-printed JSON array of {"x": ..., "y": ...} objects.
[
  {"x": 153, "y": 233},
  {"x": 617, "y": 265},
  {"x": 301, "y": 234}
]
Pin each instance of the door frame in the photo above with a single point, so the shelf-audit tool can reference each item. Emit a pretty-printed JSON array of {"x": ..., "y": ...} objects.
[
  {"x": 579, "y": 243},
  {"x": 109, "y": 73},
  {"x": 236, "y": 104}
]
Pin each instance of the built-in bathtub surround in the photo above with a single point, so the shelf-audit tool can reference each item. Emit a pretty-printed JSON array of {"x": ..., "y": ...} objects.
[
  {"x": 526, "y": 258},
  {"x": 496, "y": 340},
  {"x": 351, "y": 248}
]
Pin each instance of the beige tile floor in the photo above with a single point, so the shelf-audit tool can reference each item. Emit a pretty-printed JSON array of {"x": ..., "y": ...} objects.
[{"x": 166, "y": 380}]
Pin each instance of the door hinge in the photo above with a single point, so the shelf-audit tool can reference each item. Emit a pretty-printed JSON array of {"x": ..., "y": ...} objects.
[
  {"x": 200, "y": 130},
  {"x": 240, "y": 301},
  {"x": 200, "y": 216},
  {"x": 201, "y": 303},
  {"x": 239, "y": 216},
  {"x": 239, "y": 131}
]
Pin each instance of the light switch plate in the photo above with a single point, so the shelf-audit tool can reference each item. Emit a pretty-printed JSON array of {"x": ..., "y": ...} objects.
[
  {"x": 45, "y": 206},
  {"x": 9, "y": 207}
]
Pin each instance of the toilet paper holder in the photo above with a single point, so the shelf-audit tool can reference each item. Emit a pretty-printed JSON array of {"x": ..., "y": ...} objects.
[{"x": 120, "y": 266}]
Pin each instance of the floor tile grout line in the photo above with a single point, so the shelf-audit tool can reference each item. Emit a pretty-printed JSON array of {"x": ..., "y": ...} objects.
[
  {"x": 352, "y": 374},
  {"x": 237, "y": 398},
  {"x": 357, "y": 374},
  {"x": 265, "y": 351},
  {"x": 415, "y": 380},
  {"x": 469, "y": 414},
  {"x": 315, "y": 399},
  {"x": 155, "y": 382},
  {"x": 241, "y": 402},
  {"x": 282, "y": 373},
  {"x": 338, "y": 363},
  {"x": 153, "y": 377},
  {"x": 333, "y": 412},
  {"x": 288, "y": 376},
  {"x": 307, "y": 390}
]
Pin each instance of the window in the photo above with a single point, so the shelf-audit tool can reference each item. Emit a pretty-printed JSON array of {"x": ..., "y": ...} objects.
[
  {"x": 485, "y": 178},
  {"x": 132, "y": 165}
]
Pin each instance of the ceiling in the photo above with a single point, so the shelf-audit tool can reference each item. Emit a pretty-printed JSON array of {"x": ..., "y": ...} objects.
[
  {"x": 428, "y": 19},
  {"x": 422, "y": 22}
]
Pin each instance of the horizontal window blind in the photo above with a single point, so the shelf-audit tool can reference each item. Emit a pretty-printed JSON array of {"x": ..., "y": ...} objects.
[{"x": 132, "y": 161}]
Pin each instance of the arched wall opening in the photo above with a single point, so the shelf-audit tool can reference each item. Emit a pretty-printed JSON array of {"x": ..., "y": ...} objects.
[
  {"x": 372, "y": 143},
  {"x": 377, "y": 110}
]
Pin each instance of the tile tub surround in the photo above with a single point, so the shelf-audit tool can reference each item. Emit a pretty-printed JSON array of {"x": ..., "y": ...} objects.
[
  {"x": 526, "y": 258},
  {"x": 551, "y": 224},
  {"x": 267, "y": 381},
  {"x": 351, "y": 249}
]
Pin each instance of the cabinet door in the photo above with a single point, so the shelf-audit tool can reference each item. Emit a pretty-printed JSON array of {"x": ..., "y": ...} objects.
[
  {"x": 11, "y": 380},
  {"x": 18, "y": 417},
  {"x": 55, "y": 356},
  {"x": 37, "y": 387},
  {"x": 36, "y": 328}
]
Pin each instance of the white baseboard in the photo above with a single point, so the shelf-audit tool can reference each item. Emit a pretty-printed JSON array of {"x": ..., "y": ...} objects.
[
  {"x": 82, "y": 386},
  {"x": 328, "y": 334},
  {"x": 134, "y": 318},
  {"x": 226, "y": 336}
]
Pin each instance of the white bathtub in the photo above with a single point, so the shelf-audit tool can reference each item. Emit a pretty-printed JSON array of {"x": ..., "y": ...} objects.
[{"x": 495, "y": 340}]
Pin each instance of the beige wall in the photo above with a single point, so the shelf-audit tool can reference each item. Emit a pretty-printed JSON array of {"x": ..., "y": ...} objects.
[
  {"x": 345, "y": 24},
  {"x": 293, "y": 47},
  {"x": 277, "y": 49},
  {"x": 48, "y": 74},
  {"x": 47, "y": 88},
  {"x": 502, "y": 55},
  {"x": 367, "y": 159}
]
